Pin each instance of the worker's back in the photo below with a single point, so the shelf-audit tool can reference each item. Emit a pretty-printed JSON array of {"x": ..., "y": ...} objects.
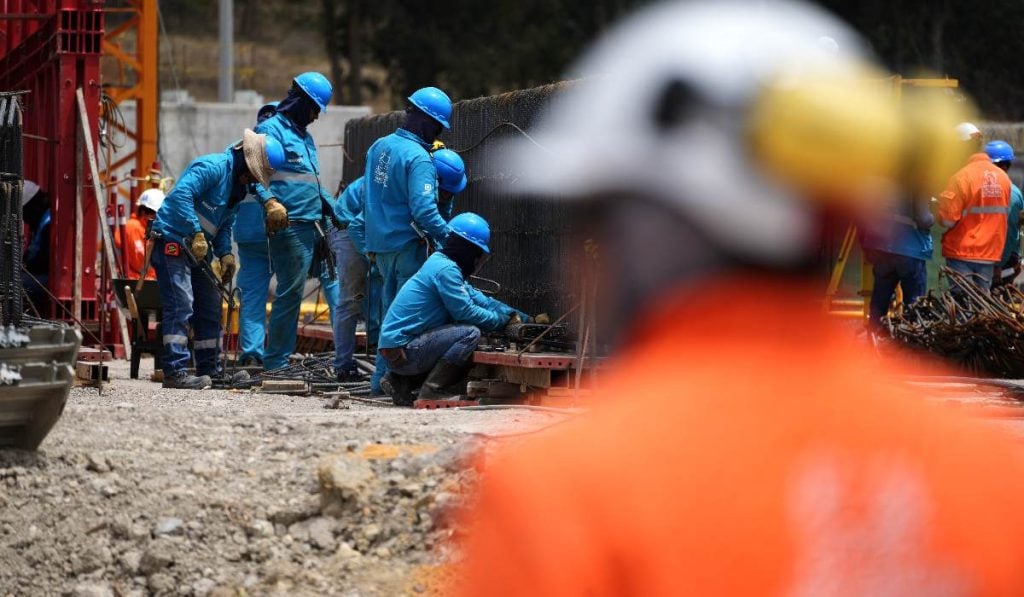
[
  {"x": 747, "y": 447},
  {"x": 975, "y": 203}
]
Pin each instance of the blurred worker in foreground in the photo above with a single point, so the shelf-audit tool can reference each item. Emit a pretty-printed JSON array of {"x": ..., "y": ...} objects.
[
  {"x": 741, "y": 443},
  {"x": 974, "y": 208},
  {"x": 135, "y": 233},
  {"x": 293, "y": 208},
  {"x": 1001, "y": 154},
  {"x": 401, "y": 217},
  {"x": 434, "y": 324},
  {"x": 197, "y": 213}
]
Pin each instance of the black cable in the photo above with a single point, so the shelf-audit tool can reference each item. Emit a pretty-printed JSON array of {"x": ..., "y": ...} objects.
[
  {"x": 59, "y": 304},
  {"x": 498, "y": 126}
]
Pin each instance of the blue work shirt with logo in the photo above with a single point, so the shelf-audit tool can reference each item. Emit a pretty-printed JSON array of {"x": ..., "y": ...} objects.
[
  {"x": 200, "y": 202},
  {"x": 296, "y": 184}
]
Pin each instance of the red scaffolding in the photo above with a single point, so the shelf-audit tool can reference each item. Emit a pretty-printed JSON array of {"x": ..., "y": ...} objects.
[{"x": 51, "y": 48}]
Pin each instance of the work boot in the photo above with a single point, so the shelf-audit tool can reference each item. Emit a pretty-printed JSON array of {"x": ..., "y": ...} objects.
[
  {"x": 400, "y": 388},
  {"x": 444, "y": 375},
  {"x": 181, "y": 380},
  {"x": 223, "y": 379}
]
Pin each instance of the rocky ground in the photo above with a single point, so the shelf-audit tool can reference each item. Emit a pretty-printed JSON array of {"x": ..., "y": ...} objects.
[{"x": 141, "y": 490}]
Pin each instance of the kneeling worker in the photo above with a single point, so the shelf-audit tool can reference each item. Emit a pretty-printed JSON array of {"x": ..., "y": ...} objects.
[
  {"x": 435, "y": 321},
  {"x": 200, "y": 211}
]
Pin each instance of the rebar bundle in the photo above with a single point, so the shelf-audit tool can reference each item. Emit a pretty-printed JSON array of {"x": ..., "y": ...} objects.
[
  {"x": 317, "y": 371},
  {"x": 11, "y": 187},
  {"x": 980, "y": 332}
]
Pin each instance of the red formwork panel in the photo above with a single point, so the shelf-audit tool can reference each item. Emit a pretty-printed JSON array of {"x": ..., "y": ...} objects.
[{"x": 51, "y": 48}]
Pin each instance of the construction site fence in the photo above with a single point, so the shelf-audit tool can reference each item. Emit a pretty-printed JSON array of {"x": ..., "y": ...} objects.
[
  {"x": 532, "y": 238},
  {"x": 11, "y": 188}
]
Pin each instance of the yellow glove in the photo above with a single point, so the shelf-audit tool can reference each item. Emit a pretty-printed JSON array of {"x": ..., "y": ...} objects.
[
  {"x": 198, "y": 246},
  {"x": 438, "y": 144},
  {"x": 275, "y": 215},
  {"x": 542, "y": 319},
  {"x": 227, "y": 268}
]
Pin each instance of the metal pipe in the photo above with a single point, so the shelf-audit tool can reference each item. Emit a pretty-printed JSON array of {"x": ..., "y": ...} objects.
[{"x": 226, "y": 83}]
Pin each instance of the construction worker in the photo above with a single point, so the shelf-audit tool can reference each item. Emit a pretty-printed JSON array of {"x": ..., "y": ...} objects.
[
  {"x": 1001, "y": 154},
  {"x": 35, "y": 258},
  {"x": 254, "y": 271},
  {"x": 898, "y": 246},
  {"x": 974, "y": 208},
  {"x": 197, "y": 213},
  {"x": 434, "y": 324},
  {"x": 293, "y": 208},
  {"x": 352, "y": 269},
  {"x": 401, "y": 218},
  {"x": 451, "y": 179},
  {"x": 135, "y": 234},
  {"x": 740, "y": 443}
]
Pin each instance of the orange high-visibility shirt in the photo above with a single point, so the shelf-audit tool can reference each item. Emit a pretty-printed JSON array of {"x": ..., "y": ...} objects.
[
  {"x": 744, "y": 445},
  {"x": 975, "y": 203},
  {"x": 135, "y": 248}
]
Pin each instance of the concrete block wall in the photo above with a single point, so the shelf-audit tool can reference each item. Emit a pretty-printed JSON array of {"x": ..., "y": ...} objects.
[{"x": 191, "y": 129}]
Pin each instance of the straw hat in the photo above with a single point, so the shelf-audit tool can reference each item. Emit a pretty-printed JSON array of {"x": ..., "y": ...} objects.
[{"x": 255, "y": 150}]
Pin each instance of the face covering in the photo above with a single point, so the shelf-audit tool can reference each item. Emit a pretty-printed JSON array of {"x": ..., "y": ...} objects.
[
  {"x": 465, "y": 254},
  {"x": 238, "y": 168},
  {"x": 298, "y": 107},
  {"x": 421, "y": 125}
]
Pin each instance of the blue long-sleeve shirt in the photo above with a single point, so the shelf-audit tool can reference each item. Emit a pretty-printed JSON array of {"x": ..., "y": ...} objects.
[
  {"x": 295, "y": 184},
  {"x": 439, "y": 295},
  {"x": 200, "y": 202},
  {"x": 400, "y": 189}
]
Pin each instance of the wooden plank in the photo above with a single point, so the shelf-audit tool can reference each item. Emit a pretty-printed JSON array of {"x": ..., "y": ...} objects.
[{"x": 108, "y": 242}]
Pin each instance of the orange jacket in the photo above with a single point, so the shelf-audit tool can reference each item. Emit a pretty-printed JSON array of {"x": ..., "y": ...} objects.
[
  {"x": 975, "y": 203},
  {"x": 748, "y": 447},
  {"x": 135, "y": 247}
]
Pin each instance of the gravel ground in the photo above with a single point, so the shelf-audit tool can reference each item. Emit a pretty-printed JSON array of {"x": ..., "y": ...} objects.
[{"x": 148, "y": 491}]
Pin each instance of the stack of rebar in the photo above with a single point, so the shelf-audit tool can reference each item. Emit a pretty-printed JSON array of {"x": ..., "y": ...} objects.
[
  {"x": 978, "y": 331},
  {"x": 11, "y": 184}
]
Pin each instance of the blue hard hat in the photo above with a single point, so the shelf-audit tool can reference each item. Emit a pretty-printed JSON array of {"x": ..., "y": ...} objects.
[
  {"x": 999, "y": 151},
  {"x": 266, "y": 111},
  {"x": 434, "y": 103},
  {"x": 275, "y": 152},
  {"x": 317, "y": 87},
  {"x": 472, "y": 228},
  {"x": 451, "y": 170}
]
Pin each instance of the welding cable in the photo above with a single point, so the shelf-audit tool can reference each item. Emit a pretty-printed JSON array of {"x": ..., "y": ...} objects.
[
  {"x": 498, "y": 126},
  {"x": 497, "y": 285},
  {"x": 57, "y": 302}
]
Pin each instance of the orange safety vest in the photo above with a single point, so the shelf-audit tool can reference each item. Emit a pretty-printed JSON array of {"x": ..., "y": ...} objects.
[
  {"x": 975, "y": 205},
  {"x": 744, "y": 445},
  {"x": 135, "y": 248}
]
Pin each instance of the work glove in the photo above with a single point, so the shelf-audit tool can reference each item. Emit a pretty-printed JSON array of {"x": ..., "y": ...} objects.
[
  {"x": 227, "y": 268},
  {"x": 275, "y": 215},
  {"x": 198, "y": 246},
  {"x": 542, "y": 319}
]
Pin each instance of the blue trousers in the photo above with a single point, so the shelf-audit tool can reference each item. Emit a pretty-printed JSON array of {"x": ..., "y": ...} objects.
[
  {"x": 291, "y": 251},
  {"x": 454, "y": 343},
  {"x": 189, "y": 298},
  {"x": 890, "y": 270},
  {"x": 351, "y": 300},
  {"x": 979, "y": 273},
  {"x": 253, "y": 280},
  {"x": 254, "y": 274},
  {"x": 395, "y": 269}
]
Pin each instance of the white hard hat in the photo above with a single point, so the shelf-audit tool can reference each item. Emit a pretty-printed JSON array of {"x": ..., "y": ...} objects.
[
  {"x": 28, "y": 192},
  {"x": 666, "y": 109},
  {"x": 152, "y": 199},
  {"x": 967, "y": 131}
]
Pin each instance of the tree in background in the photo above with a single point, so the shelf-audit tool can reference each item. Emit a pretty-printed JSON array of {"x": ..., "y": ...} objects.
[{"x": 380, "y": 49}]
